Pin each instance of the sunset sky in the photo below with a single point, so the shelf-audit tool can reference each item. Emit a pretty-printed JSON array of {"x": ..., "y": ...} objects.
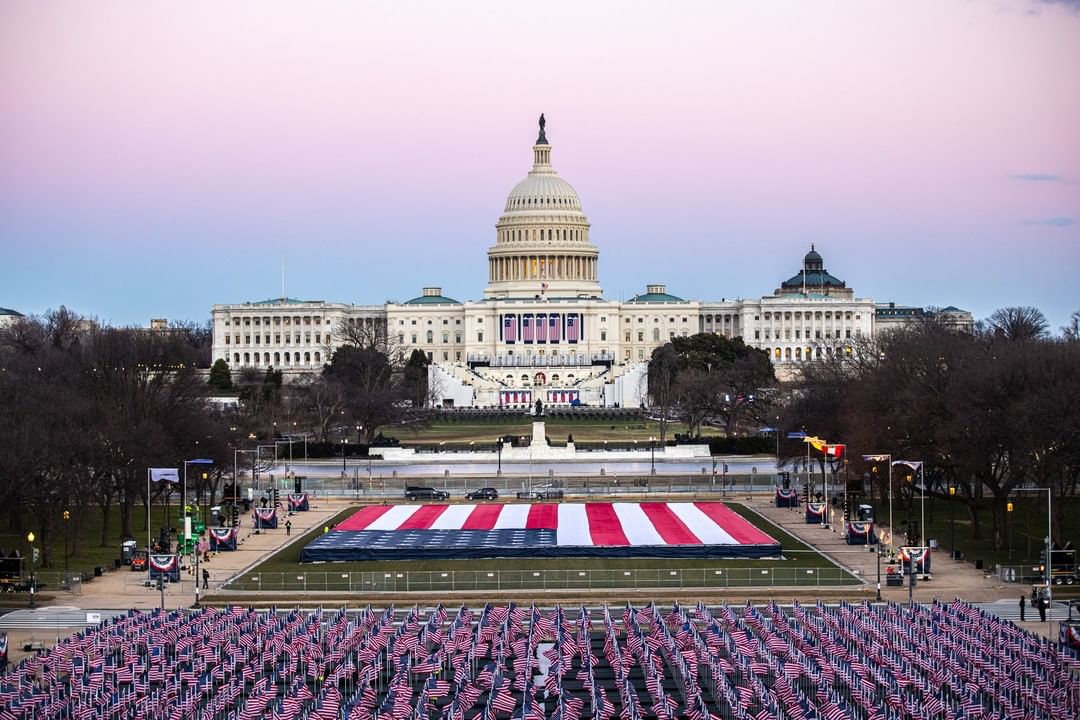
[{"x": 159, "y": 157}]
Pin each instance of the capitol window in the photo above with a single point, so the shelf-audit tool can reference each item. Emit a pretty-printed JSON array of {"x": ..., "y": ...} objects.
[
  {"x": 480, "y": 336},
  {"x": 414, "y": 338},
  {"x": 430, "y": 336}
]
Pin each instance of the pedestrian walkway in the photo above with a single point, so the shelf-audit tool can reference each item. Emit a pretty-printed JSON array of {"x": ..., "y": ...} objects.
[
  {"x": 123, "y": 589},
  {"x": 1009, "y": 609}
]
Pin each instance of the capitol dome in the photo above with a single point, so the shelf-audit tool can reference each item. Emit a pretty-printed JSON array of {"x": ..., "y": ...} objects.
[{"x": 542, "y": 246}]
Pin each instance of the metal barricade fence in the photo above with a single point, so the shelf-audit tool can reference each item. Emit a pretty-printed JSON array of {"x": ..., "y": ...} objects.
[{"x": 488, "y": 580}]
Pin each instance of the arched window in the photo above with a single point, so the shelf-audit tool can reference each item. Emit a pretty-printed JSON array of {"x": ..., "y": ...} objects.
[
  {"x": 656, "y": 334},
  {"x": 277, "y": 358},
  {"x": 236, "y": 358},
  {"x": 798, "y": 353},
  {"x": 525, "y": 379},
  {"x": 555, "y": 379},
  {"x": 539, "y": 378},
  {"x": 777, "y": 353},
  {"x": 266, "y": 358},
  {"x": 430, "y": 336},
  {"x": 318, "y": 357},
  {"x": 296, "y": 358},
  {"x": 307, "y": 358},
  {"x": 787, "y": 354}
]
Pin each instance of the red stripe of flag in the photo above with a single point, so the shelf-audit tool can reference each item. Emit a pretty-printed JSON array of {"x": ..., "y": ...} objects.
[
  {"x": 483, "y": 517},
  {"x": 543, "y": 516},
  {"x": 604, "y": 525},
  {"x": 733, "y": 523},
  {"x": 424, "y": 517},
  {"x": 667, "y": 523},
  {"x": 364, "y": 517}
]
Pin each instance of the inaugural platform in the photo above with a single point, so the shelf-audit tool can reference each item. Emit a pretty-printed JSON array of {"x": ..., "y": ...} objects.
[{"x": 601, "y": 529}]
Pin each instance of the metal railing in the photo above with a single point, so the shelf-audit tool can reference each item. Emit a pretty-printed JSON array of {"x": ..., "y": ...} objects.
[{"x": 588, "y": 579}]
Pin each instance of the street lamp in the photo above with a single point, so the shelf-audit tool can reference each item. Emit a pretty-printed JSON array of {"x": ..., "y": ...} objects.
[
  {"x": 30, "y": 539},
  {"x": 652, "y": 455},
  {"x": 67, "y": 517},
  {"x": 344, "y": 470},
  {"x": 952, "y": 522},
  {"x": 498, "y": 451},
  {"x": 187, "y": 522},
  {"x": 1008, "y": 526}
]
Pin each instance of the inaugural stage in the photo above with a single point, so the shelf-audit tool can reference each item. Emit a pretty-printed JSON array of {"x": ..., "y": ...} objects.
[{"x": 601, "y": 529}]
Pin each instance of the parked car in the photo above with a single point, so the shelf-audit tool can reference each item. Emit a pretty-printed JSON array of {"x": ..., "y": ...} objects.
[
  {"x": 488, "y": 493},
  {"x": 425, "y": 493}
]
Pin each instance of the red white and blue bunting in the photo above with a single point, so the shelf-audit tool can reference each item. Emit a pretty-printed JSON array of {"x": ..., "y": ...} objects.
[
  {"x": 167, "y": 566},
  {"x": 265, "y": 518},
  {"x": 787, "y": 498},
  {"x": 859, "y": 533},
  {"x": 223, "y": 538},
  {"x": 815, "y": 513},
  {"x": 298, "y": 502},
  {"x": 920, "y": 556}
]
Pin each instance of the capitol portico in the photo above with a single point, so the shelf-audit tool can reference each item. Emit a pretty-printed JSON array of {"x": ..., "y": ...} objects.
[{"x": 543, "y": 329}]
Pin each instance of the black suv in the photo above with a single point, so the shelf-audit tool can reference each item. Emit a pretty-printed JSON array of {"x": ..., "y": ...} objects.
[
  {"x": 488, "y": 493},
  {"x": 425, "y": 493}
]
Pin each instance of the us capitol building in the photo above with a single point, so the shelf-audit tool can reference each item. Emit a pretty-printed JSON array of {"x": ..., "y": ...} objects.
[{"x": 543, "y": 329}]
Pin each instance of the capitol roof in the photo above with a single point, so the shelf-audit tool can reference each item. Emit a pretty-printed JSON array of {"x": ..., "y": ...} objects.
[{"x": 8, "y": 311}]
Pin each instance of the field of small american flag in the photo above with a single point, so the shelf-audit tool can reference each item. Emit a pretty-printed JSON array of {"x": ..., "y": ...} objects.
[{"x": 511, "y": 661}]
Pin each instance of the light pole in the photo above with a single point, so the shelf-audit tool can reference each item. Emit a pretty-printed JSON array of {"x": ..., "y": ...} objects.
[
  {"x": 187, "y": 522},
  {"x": 344, "y": 470},
  {"x": 952, "y": 522},
  {"x": 30, "y": 539},
  {"x": 652, "y": 455},
  {"x": 498, "y": 451},
  {"x": 1008, "y": 525},
  {"x": 877, "y": 549},
  {"x": 67, "y": 518}
]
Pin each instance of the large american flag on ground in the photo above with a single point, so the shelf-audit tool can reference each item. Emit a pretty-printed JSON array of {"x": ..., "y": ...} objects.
[{"x": 682, "y": 529}]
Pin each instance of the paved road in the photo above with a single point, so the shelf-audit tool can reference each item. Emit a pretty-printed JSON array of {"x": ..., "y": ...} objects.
[
  {"x": 47, "y": 618},
  {"x": 1010, "y": 610}
]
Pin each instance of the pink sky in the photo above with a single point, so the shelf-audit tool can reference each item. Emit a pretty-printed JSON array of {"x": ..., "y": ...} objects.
[{"x": 156, "y": 158}]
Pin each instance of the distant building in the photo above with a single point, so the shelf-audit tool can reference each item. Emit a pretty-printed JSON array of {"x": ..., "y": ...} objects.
[
  {"x": 9, "y": 317},
  {"x": 543, "y": 329}
]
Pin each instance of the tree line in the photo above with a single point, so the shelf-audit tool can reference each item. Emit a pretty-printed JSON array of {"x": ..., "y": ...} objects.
[
  {"x": 86, "y": 409},
  {"x": 995, "y": 414}
]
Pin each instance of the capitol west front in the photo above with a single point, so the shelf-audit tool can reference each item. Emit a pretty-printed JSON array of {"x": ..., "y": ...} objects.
[{"x": 543, "y": 329}]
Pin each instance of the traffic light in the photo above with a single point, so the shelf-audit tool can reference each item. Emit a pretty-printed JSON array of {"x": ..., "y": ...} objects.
[
  {"x": 785, "y": 478},
  {"x": 806, "y": 489},
  {"x": 235, "y": 510},
  {"x": 274, "y": 497},
  {"x": 37, "y": 555},
  {"x": 847, "y": 511}
]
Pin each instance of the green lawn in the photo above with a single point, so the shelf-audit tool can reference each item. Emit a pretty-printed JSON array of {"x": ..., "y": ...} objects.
[
  {"x": 583, "y": 430},
  {"x": 800, "y": 565},
  {"x": 91, "y": 554},
  {"x": 1027, "y": 528}
]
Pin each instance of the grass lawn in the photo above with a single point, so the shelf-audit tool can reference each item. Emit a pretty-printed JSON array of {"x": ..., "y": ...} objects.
[
  {"x": 91, "y": 554},
  {"x": 799, "y": 560},
  {"x": 583, "y": 430},
  {"x": 1027, "y": 528}
]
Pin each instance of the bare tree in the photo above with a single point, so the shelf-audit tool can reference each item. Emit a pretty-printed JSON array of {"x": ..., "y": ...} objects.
[{"x": 1019, "y": 323}]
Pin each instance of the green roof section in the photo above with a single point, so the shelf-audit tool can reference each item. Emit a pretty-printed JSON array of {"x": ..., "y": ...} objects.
[
  {"x": 432, "y": 300},
  {"x": 9, "y": 311},
  {"x": 656, "y": 298},
  {"x": 656, "y": 293},
  {"x": 814, "y": 278}
]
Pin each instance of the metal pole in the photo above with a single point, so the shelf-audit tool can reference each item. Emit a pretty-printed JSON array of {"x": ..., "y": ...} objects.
[
  {"x": 148, "y": 534},
  {"x": 877, "y": 549},
  {"x": 890, "y": 504},
  {"x": 196, "y": 546},
  {"x": 922, "y": 505},
  {"x": 1049, "y": 558}
]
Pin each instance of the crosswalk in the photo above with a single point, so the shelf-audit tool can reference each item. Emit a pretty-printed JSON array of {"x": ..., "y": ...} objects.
[
  {"x": 49, "y": 618},
  {"x": 1010, "y": 610}
]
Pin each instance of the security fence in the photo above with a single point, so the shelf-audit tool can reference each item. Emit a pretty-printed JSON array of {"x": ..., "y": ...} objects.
[{"x": 587, "y": 579}]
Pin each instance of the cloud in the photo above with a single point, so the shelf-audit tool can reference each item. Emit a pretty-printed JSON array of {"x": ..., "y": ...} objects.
[
  {"x": 1060, "y": 221},
  {"x": 1073, "y": 5},
  {"x": 1038, "y": 177}
]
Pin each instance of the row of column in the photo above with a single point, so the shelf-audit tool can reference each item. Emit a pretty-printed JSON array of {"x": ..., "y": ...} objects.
[{"x": 542, "y": 267}]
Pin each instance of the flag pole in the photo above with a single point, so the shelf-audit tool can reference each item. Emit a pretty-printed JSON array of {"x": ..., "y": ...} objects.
[
  {"x": 149, "y": 502},
  {"x": 891, "y": 546}
]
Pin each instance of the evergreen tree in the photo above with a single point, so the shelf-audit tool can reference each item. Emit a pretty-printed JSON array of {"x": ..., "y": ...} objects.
[{"x": 220, "y": 376}]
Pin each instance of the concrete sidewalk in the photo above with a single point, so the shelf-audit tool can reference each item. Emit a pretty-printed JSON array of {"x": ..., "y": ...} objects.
[{"x": 123, "y": 589}]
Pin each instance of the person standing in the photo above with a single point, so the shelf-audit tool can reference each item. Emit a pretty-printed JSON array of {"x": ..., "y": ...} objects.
[
  {"x": 205, "y": 579},
  {"x": 1023, "y": 604},
  {"x": 1042, "y": 608},
  {"x": 288, "y": 527}
]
